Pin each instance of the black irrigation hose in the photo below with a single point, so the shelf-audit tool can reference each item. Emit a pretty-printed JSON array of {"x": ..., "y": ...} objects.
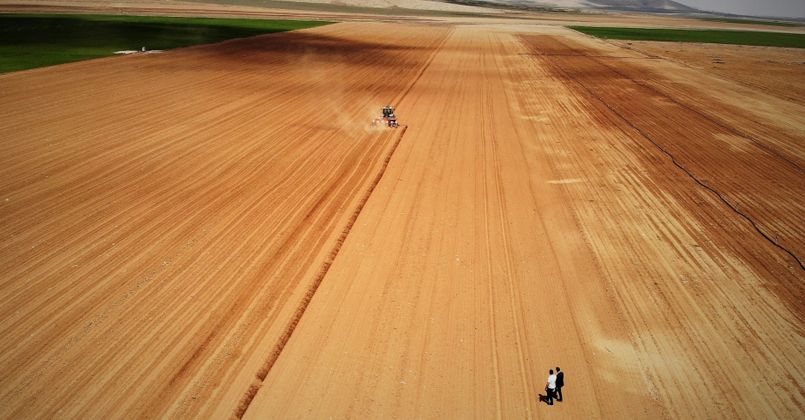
[
  {"x": 746, "y": 136},
  {"x": 711, "y": 189},
  {"x": 686, "y": 170},
  {"x": 708, "y": 117}
]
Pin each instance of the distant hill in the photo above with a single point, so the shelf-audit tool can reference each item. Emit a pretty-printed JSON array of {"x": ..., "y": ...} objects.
[
  {"x": 461, "y": 6},
  {"x": 645, "y": 5},
  {"x": 624, "y": 5}
]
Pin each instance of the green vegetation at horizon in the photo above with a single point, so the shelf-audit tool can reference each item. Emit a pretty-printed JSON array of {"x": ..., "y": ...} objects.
[
  {"x": 754, "y": 22},
  {"x": 30, "y": 41},
  {"x": 755, "y": 38}
]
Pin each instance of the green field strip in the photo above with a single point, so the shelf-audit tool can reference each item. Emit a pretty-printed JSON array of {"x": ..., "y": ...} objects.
[
  {"x": 30, "y": 41},
  {"x": 756, "y": 38}
]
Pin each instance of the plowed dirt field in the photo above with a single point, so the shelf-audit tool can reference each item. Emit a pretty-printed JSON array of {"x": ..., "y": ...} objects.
[
  {"x": 215, "y": 231},
  {"x": 777, "y": 71},
  {"x": 165, "y": 216}
]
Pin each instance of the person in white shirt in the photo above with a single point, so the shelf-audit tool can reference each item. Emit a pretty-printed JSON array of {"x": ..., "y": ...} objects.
[{"x": 550, "y": 387}]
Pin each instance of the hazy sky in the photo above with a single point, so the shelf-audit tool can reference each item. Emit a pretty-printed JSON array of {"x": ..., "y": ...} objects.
[{"x": 778, "y": 8}]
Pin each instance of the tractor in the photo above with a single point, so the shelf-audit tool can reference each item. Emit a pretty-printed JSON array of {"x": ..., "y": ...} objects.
[{"x": 388, "y": 119}]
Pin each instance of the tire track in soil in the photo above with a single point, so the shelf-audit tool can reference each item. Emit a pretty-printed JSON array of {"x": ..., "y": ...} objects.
[
  {"x": 248, "y": 397},
  {"x": 704, "y": 115},
  {"x": 300, "y": 311},
  {"x": 713, "y": 317},
  {"x": 220, "y": 164},
  {"x": 675, "y": 160},
  {"x": 510, "y": 272}
]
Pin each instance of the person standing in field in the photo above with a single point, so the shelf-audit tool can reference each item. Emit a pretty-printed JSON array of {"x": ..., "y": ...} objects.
[
  {"x": 550, "y": 387},
  {"x": 560, "y": 382}
]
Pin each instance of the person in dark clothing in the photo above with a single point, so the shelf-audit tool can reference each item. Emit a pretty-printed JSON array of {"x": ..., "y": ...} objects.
[{"x": 560, "y": 382}]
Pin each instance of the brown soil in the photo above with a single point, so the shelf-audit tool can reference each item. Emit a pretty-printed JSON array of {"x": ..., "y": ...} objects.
[
  {"x": 164, "y": 216},
  {"x": 535, "y": 216},
  {"x": 213, "y": 231},
  {"x": 782, "y": 68}
]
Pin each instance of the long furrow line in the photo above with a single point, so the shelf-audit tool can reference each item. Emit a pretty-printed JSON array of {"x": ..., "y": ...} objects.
[
  {"x": 495, "y": 81},
  {"x": 180, "y": 309},
  {"x": 300, "y": 310},
  {"x": 674, "y": 159},
  {"x": 672, "y": 264},
  {"x": 216, "y": 205},
  {"x": 184, "y": 234},
  {"x": 717, "y": 114},
  {"x": 524, "y": 101},
  {"x": 704, "y": 185}
]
